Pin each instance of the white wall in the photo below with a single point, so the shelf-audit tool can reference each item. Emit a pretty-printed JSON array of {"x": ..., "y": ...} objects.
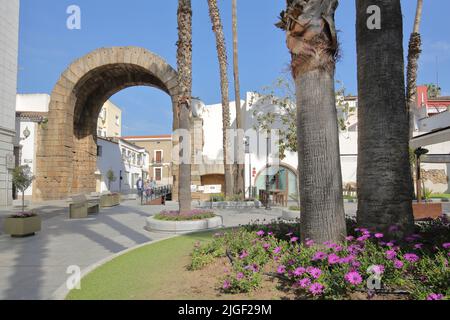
[{"x": 9, "y": 42}]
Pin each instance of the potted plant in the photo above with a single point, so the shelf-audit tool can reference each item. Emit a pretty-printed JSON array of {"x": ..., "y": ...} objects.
[
  {"x": 111, "y": 178},
  {"x": 23, "y": 223}
]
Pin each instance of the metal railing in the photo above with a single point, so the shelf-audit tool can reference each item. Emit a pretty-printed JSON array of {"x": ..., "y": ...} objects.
[{"x": 155, "y": 193}]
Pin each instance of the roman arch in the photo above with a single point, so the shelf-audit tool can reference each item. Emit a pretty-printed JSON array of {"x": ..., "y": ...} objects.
[{"x": 66, "y": 149}]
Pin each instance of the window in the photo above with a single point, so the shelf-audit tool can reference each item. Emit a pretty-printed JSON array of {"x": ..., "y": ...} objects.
[
  {"x": 117, "y": 120},
  {"x": 158, "y": 174},
  {"x": 158, "y": 156},
  {"x": 99, "y": 151}
]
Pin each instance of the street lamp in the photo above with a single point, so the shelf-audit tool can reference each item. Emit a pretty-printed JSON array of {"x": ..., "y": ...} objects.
[
  {"x": 247, "y": 151},
  {"x": 26, "y": 133},
  {"x": 267, "y": 172}
]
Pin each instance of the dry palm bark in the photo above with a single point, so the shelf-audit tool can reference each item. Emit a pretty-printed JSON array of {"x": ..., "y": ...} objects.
[
  {"x": 312, "y": 42},
  {"x": 184, "y": 61},
  {"x": 223, "y": 64},
  {"x": 239, "y": 170},
  {"x": 414, "y": 52},
  {"x": 383, "y": 174}
]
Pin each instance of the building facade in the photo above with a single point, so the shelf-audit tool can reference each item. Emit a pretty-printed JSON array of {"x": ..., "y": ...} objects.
[
  {"x": 109, "y": 124},
  {"x": 127, "y": 162},
  {"x": 159, "y": 148},
  {"x": 9, "y": 43}
]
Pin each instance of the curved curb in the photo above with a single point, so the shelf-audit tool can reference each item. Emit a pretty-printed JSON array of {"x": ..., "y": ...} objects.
[
  {"x": 62, "y": 292},
  {"x": 183, "y": 227},
  {"x": 290, "y": 215}
]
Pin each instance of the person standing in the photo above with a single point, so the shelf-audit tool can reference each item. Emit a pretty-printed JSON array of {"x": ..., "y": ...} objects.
[{"x": 140, "y": 186}]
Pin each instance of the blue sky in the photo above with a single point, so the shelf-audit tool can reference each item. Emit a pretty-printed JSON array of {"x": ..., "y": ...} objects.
[{"x": 47, "y": 47}]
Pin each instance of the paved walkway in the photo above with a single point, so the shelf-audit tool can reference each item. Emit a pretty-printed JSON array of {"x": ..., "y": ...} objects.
[{"x": 34, "y": 267}]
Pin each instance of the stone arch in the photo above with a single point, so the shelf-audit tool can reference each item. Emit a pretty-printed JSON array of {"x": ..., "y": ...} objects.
[{"x": 67, "y": 150}]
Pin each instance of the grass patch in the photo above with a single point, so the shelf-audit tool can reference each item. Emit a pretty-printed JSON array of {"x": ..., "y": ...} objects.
[
  {"x": 440, "y": 196},
  {"x": 141, "y": 273}
]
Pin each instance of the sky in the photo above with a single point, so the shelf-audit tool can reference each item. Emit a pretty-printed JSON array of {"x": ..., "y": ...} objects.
[{"x": 47, "y": 47}]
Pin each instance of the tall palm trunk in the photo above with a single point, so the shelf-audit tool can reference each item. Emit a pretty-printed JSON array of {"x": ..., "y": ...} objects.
[
  {"x": 384, "y": 174},
  {"x": 311, "y": 39},
  {"x": 414, "y": 51},
  {"x": 184, "y": 61},
  {"x": 239, "y": 170},
  {"x": 222, "y": 56}
]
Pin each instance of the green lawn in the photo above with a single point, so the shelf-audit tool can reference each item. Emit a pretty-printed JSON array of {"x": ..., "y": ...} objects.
[
  {"x": 440, "y": 195},
  {"x": 139, "y": 273}
]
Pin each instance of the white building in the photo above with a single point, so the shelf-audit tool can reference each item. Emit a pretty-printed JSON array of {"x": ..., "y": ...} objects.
[
  {"x": 128, "y": 162},
  {"x": 9, "y": 42}
]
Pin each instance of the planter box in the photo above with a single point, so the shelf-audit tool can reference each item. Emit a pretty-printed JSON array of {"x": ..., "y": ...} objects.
[
  {"x": 427, "y": 210},
  {"x": 21, "y": 227},
  {"x": 183, "y": 226},
  {"x": 109, "y": 200}
]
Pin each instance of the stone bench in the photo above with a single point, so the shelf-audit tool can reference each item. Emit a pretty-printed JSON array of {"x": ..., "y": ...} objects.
[{"x": 81, "y": 207}]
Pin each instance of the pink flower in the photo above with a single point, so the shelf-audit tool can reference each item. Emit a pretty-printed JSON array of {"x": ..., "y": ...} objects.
[
  {"x": 240, "y": 276},
  {"x": 319, "y": 256},
  {"x": 316, "y": 289},
  {"x": 277, "y": 250},
  {"x": 446, "y": 245},
  {"x": 309, "y": 243},
  {"x": 435, "y": 296},
  {"x": 243, "y": 255},
  {"x": 299, "y": 271},
  {"x": 390, "y": 254},
  {"x": 418, "y": 246},
  {"x": 379, "y": 235},
  {"x": 347, "y": 259},
  {"x": 398, "y": 264},
  {"x": 226, "y": 285},
  {"x": 411, "y": 257},
  {"x": 338, "y": 248},
  {"x": 281, "y": 269},
  {"x": 266, "y": 246},
  {"x": 260, "y": 233},
  {"x": 294, "y": 239},
  {"x": 333, "y": 258},
  {"x": 390, "y": 244},
  {"x": 363, "y": 238},
  {"x": 304, "y": 283},
  {"x": 349, "y": 238},
  {"x": 378, "y": 269},
  {"x": 353, "y": 277},
  {"x": 314, "y": 272}
]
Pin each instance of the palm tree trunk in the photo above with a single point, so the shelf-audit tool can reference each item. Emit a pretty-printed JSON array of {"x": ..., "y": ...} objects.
[
  {"x": 414, "y": 51},
  {"x": 222, "y": 56},
  {"x": 239, "y": 185},
  {"x": 184, "y": 61},
  {"x": 311, "y": 39},
  {"x": 384, "y": 174}
]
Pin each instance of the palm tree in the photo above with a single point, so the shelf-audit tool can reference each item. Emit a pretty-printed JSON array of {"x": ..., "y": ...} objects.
[
  {"x": 184, "y": 62},
  {"x": 222, "y": 56},
  {"x": 239, "y": 169},
  {"x": 414, "y": 51},
  {"x": 384, "y": 174},
  {"x": 312, "y": 42}
]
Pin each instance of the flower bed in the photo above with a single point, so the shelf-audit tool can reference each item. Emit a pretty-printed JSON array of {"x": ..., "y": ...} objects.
[
  {"x": 367, "y": 263},
  {"x": 184, "y": 216},
  {"x": 21, "y": 215}
]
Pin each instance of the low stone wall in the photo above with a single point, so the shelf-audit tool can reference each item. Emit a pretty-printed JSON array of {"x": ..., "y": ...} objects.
[
  {"x": 289, "y": 215},
  {"x": 183, "y": 226},
  {"x": 230, "y": 204}
]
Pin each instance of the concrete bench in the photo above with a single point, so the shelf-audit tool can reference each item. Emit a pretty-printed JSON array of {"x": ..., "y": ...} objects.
[{"x": 81, "y": 207}]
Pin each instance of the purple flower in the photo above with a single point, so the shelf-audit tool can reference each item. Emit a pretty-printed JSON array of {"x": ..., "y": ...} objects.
[
  {"x": 446, "y": 245},
  {"x": 276, "y": 258},
  {"x": 356, "y": 264},
  {"x": 270, "y": 233},
  {"x": 435, "y": 296},
  {"x": 418, "y": 246},
  {"x": 294, "y": 239},
  {"x": 379, "y": 235},
  {"x": 319, "y": 256},
  {"x": 347, "y": 259},
  {"x": 243, "y": 255},
  {"x": 316, "y": 289},
  {"x": 338, "y": 248},
  {"x": 390, "y": 244},
  {"x": 226, "y": 285},
  {"x": 411, "y": 257},
  {"x": 260, "y": 233},
  {"x": 309, "y": 242},
  {"x": 266, "y": 246},
  {"x": 281, "y": 269},
  {"x": 240, "y": 276},
  {"x": 314, "y": 272},
  {"x": 363, "y": 238},
  {"x": 398, "y": 264},
  {"x": 349, "y": 238},
  {"x": 353, "y": 277},
  {"x": 299, "y": 271},
  {"x": 391, "y": 254},
  {"x": 304, "y": 283},
  {"x": 333, "y": 258},
  {"x": 277, "y": 250},
  {"x": 289, "y": 234}
]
